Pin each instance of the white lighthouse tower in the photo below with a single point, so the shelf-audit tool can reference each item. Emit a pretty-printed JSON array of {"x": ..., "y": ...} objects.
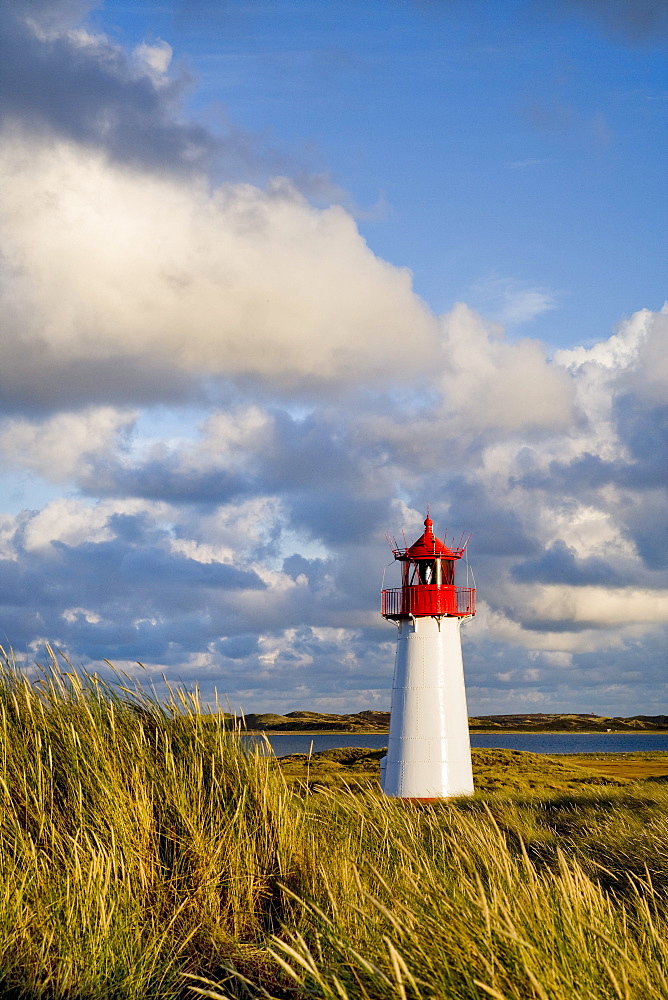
[{"x": 429, "y": 750}]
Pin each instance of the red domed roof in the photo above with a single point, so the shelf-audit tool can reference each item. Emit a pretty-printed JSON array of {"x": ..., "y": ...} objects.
[{"x": 428, "y": 545}]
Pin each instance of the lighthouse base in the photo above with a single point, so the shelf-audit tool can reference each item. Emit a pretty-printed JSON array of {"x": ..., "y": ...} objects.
[{"x": 429, "y": 750}]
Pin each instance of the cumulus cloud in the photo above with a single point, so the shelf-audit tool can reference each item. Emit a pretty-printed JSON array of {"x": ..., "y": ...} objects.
[
  {"x": 256, "y": 486},
  {"x": 60, "y": 448},
  {"x": 125, "y": 278},
  {"x": 121, "y": 560},
  {"x": 107, "y": 269},
  {"x": 499, "y": 384},
  {"x": 587, "y": 605},
  {"x": 243, "y": 545},
  {"x": 154, "y": 59},
  {"x": 60, "y": 80}
]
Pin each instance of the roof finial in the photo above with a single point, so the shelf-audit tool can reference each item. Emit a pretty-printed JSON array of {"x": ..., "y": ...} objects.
[{"x": 428, "y": 523}]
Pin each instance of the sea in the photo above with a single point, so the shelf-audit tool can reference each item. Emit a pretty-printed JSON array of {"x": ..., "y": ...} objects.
[{"x": 282, "y": 744}]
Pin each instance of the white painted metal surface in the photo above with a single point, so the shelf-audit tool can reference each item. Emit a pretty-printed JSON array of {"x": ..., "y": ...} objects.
[{"x": 429, "y": 750}]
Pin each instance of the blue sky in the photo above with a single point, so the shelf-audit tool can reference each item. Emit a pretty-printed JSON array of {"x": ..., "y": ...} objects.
[
  {"x": 277, "y": 275},
  {"x": 491, "y": 148}
]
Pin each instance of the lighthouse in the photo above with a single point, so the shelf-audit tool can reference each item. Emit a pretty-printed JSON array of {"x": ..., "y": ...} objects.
[{"x": 429, "y": 750}]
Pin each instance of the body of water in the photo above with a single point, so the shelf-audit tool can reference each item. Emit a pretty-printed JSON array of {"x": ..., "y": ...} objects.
[{"x": 550, "y": 743}]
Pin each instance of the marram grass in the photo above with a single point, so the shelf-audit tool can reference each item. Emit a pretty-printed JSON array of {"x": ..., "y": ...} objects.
[{"x": 144, "y": 854}]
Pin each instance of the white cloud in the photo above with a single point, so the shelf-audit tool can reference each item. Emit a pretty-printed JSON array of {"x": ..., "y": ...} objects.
[
  {"x": 58, "y": 448},
  {"x": 71, "y": 614},
  {"x": 73, "y": 522},
  {"x": 589, "y": 530},
  {"x": 201, "y": 551},
  {"x": 514, "y": 302},
  {"x": 554, "y": 658},
  {"x": 105, "y": 265},
  {"x": 619, "y": 351},
  {"x": 240, "y": 528},
  {"x": 248, "y": 552},
  {"x": 506, "y": 628},
  {"x": 491, "y": 383},
  {"x": 236, "y": 437},
  {"x": 7, "y": 534},
  {"x": 648, "y": 378},
  {"x": 154, "y": 59},
  {"x": 524, "y": 304},
  {"x": 592, "y": 605}
]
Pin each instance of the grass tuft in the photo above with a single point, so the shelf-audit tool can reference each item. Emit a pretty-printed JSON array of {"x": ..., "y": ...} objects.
[{"x": 145, "y": 853}]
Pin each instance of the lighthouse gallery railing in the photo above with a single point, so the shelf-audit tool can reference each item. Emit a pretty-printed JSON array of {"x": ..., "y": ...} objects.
[{"x": 428, "y": 599}]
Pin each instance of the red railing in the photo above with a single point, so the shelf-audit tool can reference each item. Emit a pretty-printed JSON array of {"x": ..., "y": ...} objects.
[{"x": 428, "y": 599}]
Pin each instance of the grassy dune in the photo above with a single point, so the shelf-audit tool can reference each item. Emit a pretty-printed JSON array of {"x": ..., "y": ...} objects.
[
  {"x": 144, "y": 853},
  {"x": 507, "y": 771},
  {"x": 379, "y": 722}
]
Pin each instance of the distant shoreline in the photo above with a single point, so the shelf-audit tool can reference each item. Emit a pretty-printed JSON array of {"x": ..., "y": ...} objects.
[
  {"x": 473, "y": 732},
  {"x": 371, "y": 722}
]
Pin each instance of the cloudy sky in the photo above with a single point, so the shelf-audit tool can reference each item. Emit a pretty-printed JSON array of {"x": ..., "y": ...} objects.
[{"x": 277, "y": 274}]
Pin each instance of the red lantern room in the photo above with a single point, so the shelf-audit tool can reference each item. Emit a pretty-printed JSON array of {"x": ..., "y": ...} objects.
[{"x": 428, "y": 581}]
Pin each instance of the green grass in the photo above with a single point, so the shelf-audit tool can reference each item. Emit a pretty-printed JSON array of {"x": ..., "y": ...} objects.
[
  {"x": 145, "y": 854},
  {"x": 632, "y": 766},
  {"x": 508, "y": 771}
]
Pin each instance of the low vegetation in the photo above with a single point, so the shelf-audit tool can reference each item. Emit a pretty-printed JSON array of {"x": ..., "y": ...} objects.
[
  {"x": 145, "y": 854},
  {"x": 378, "y": 722},
  {"x": 507, "y": 771}
]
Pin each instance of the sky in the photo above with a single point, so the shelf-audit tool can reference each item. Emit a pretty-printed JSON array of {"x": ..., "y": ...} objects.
[{"x": 274, "y": 277}]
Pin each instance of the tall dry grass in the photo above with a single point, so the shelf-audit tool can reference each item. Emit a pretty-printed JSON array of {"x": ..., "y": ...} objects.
[{"x": 145, "y": 853}]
